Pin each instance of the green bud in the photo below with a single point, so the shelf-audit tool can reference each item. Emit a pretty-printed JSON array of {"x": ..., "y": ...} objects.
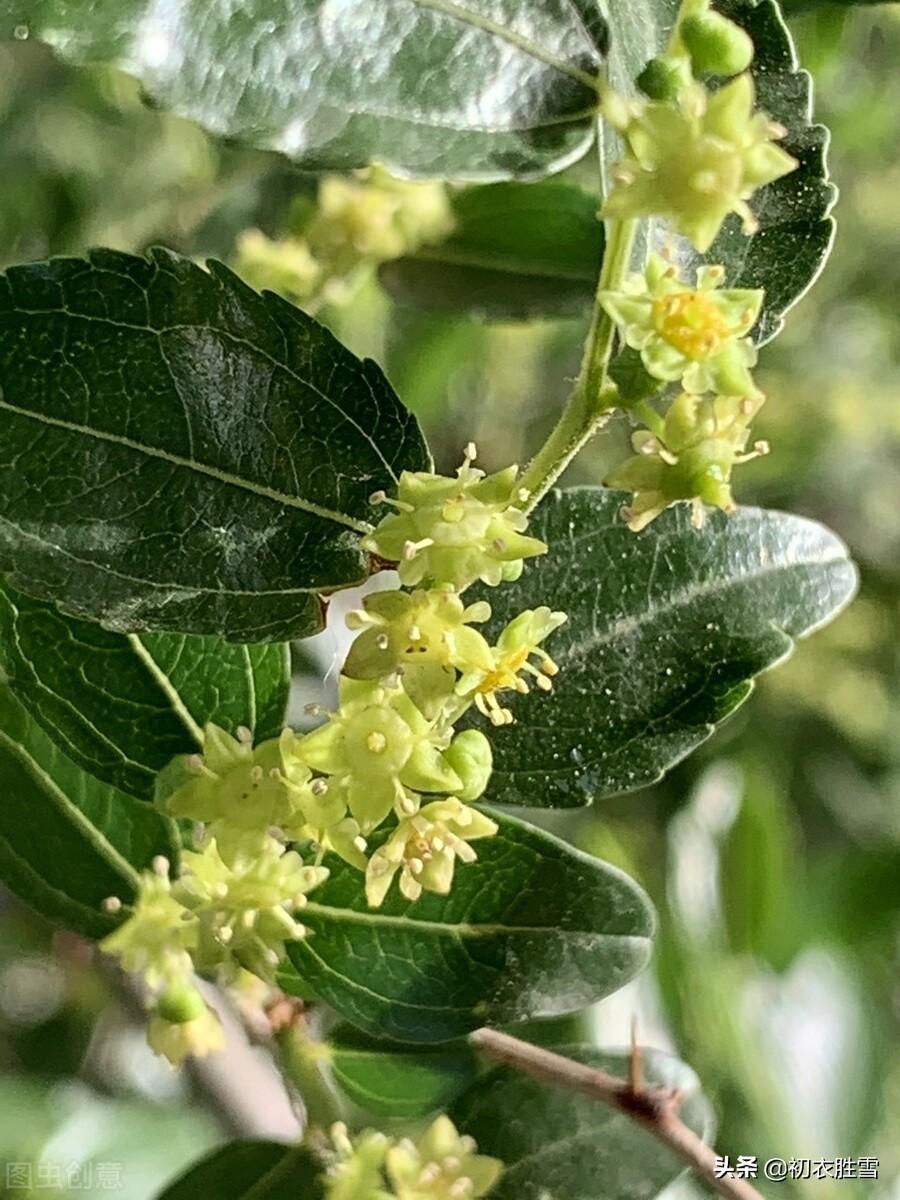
[
  {"x": 180, "y": 1002},
  {"x": 716, "y": 45},
  {"x": 663, "y": 78},
  {"x": 469, "y": 754}
]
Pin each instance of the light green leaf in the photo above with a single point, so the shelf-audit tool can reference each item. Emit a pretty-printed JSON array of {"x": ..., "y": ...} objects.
[
  {"x": 666, "y": 630},
  {"x": 533, "y": 928},
  {"x": 558, "y": 1145},
  {"x": 122, "y": 706},
  {"x": 456, "y": 88},
  {"x": 519, "y": 250},
  {"x": 395, "y": 1080},
  {"x": 180, "y": 453},
  {"x": 68, "y": 841},
  {"x": 251, "y": 1170}
]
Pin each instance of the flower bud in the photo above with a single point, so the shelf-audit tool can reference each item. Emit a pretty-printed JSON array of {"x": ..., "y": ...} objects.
[
  {"x": 180, "y": 1002},
  {"x": 469, "y": 754},
  {"x": 716, "y": 45},
  {"x": 664, "y": 78}
]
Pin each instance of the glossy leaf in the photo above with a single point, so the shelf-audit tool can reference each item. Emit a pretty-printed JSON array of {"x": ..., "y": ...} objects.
[
  {"x": 122, "y": 706},
  {"x": 68, "y": 841},
  {"x": 180, "y": 453},
  {"x": 394, "y": 1080},
  {"x": 456, "y": 88},
  {"x": 533, "y": 928},
  {"x": 519, "y": 250},
  {"x": 666, "y": 630},
  {"x": 556, "y": 1143},
  {"x": 251, "y": 1170}
]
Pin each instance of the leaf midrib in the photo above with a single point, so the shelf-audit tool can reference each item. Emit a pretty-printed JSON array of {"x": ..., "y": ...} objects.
[{"x": 176, "y": 460}]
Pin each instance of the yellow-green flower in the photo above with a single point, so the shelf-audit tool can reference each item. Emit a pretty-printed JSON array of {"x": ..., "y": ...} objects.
[
  {"x": 183, "y": 1025},
  {"x": 427, "y": 634},
  {"x": 442, "y": 1165},
  {"x": 159, "y": 936},
  {"x": 284, "y": 265},
  {"x": 245, "y": 907},
  {"x": 518, "y": 644},
  {"x": 375, "y": 747},
  {"x": 696, "y": 160},
  {"x": 356, "y": 1172},
  {"x": 424, "y": 849},
  {"x": 697, "y": 335},
  {"x": 690, "y": 459},
  {"x": 452, "y": 531},
  {"x": 232, "y": 788}
]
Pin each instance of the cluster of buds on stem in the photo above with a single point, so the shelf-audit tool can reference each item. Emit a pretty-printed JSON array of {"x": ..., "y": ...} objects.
[
  {"x": 442, "y": 1164},
  {"x": 358, "y": 221}
]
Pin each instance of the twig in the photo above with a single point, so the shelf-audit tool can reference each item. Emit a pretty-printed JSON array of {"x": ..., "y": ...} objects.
[{"x": 655, "y": 1108}]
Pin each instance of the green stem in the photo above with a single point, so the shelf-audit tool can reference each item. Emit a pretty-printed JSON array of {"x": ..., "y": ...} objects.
[
  {"x": 305, "y": 1064},
  {"x": 592, "y": 399}
]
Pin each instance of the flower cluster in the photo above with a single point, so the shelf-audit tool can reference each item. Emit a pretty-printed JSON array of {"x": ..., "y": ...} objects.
[
  {"x": 386, "y": 782},
  {"x": 693, "y": 157},
  {"x": 369, "y": 218},
  {"x": 440, "y": 1165}
]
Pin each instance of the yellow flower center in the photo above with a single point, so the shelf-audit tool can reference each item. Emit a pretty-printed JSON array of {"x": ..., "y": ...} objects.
[
  {"x": 504, "y": 675},
  {"x": 691, "y": 322}
]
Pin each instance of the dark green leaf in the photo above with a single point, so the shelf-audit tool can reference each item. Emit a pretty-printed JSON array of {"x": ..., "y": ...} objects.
[
  {"x": 251, "y": 1171},
  {"x": 393, "y": 1080},
  {"x": 68, "y": 841},
  {"x": 666, "y": 630},
  {"x": 456, "y": 88},
  {"x": 519, "y": 250},
  {"x": 179, "y": 453},
  {"x": 558, "y": 1145},
  {"x": 532, "y": 928},
  {"x": 795, "y": 230},
  {"x": 122, "y": 706}
]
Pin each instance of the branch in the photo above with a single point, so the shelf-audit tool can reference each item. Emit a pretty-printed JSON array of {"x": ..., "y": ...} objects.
[{"x": 655, "y": 1108}]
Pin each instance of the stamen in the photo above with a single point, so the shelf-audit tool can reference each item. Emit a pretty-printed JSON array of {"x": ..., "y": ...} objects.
[
  {"x": 160, "y": 865},
  {"x": 112, "y": 904},
  {"x": 244, "y": 735}
]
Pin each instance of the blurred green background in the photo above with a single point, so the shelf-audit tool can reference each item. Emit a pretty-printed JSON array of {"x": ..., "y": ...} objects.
[{"x": 773, "y": 854}]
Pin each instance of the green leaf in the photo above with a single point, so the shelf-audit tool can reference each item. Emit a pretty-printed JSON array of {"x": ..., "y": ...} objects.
[
  {"x": 68, "y": 841},
  {"x": 453, "y": 88},
  {"x": 180, "y": 453},
  {"x": 394, "y": 1080},
  {"x": 558, "y": 1145},
  {"x": 122, "y": 706},
  {"x": 252, "y": 1170},
  {"x": 533, "y": 928},
  {"x": 518, "y": 251},
  {"x": 666, "y": 630}
]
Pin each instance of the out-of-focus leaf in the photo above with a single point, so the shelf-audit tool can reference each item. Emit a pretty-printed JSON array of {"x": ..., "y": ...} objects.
[
  {"x": 393, "y": 1080},
  {"x": 252, "y": 1171},
  {"x": 519, "y": 250},
  {"x": 556, "y": 1143}
]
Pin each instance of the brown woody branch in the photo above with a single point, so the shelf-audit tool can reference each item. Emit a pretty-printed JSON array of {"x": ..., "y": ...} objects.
[{"x": 655, "y": 1108}]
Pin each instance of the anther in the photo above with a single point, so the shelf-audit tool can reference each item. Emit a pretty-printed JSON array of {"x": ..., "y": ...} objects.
[
  {"x": 319, "y": 787},
  {"x": 376, "y": 742},
  {"x": 244, "y": 735},
  {"x": 112, "y": 904},
  {"x": 160, "y": 865}
]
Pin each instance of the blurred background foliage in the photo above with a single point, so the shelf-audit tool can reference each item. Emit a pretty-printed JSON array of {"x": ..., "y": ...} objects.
[{"x": 773, "y": 854}]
